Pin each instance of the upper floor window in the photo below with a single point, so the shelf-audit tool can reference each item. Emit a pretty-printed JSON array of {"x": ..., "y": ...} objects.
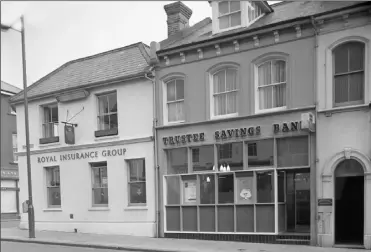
[
  {"x": 53, "y": 186},
  {"x": 271, "y": 85},
  {"x": 107, "y": 114},
  {"x": 229, "y": 14},
  {"x": 50, "y": 123},
  {"x": 349, "y": 73},
  {"x": 175, "y": 100},
  {"x": 15, "y": 149},
  {"x": 224, "y": 92}
]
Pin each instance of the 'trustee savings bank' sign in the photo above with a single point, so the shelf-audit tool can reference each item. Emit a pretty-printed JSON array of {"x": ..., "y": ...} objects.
[{"x": 82, "y": 155}]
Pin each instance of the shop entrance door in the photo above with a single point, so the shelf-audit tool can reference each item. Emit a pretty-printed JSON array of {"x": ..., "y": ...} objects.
[{"x": 349, "y": 203}]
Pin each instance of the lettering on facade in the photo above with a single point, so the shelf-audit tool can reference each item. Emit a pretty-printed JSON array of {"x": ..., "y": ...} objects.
[
  {"x": 286, "y": 127},
  {"x": 82, "y": 155},
  {"x": 183, "y": 139},
  {"x": 238, "y": 132}
]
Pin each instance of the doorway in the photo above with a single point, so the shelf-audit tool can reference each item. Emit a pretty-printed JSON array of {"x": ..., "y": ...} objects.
[{"x": 349, "y": 203}]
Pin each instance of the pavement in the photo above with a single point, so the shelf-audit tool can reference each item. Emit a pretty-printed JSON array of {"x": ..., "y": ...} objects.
[{"x": 145, "y": 244}]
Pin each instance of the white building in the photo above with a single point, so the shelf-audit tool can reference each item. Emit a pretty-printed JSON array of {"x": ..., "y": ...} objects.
[{"x": 103, "y": 181}]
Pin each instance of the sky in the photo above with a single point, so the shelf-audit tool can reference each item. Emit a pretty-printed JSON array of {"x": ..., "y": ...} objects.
[{"x": 57, "y": 32}]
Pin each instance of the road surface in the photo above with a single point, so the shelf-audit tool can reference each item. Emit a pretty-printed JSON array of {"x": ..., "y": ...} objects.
[{"x": 31, "y": 247}]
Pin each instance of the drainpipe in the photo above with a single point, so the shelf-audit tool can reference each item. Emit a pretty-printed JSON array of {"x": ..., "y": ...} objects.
[
  {"x": 156, "y": 167},
  {"x": 313, "y": 179}
]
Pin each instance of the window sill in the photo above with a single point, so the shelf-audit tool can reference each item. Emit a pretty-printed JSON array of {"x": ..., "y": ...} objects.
[
  {"x": 11, "y": 114},
  {"x": 99, "y": 209},
  {"x": 135, "y": 208},
  {"x": 223, "y": 116},
  {"x": 13, "y": 163},
  {"x": 52, "y": 210},
  {"x": 345, "y": 108},
  {"x": 175, "y": 122},
  {"x": 103, "y": 133},
  {"x": 218, "y": 30},
  {"x": 106, "y": 138},
  {"x": 42, "y": 146},
  {"x": 262, "y": 111},
  {"x": 49, "y": 140}
]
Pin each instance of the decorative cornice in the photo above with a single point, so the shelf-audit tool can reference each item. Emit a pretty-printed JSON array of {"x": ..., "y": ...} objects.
[
  {"x": 256, "y": 41},
  {"x": 218, "y": 51},
  {"x": 200, "y": 53},
  {"x": 236, "y": 46},
  {"x": 346, "y": 19},
  {"x": 167, "y": 60},
  {"x": 298, "y": 31},
  {"x": 182, "y": 57},
  {"x": 276, "y": 36}
]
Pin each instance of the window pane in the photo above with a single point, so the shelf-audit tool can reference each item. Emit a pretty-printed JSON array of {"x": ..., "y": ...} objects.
[
  {"x": 231, "y": 102},
  {"x": 356, "y": 87},
  {"x": 180, "y": 111},
  {"x": 265, "y": 187},
  {"x": 179, "y": 89},
  {"x": 281, "y": 186},
  {"x": 356, "y": 56},
  {"x": 100, "y": 177},
  {"x": 207, "y": 189},
  {"x": 206, "y": 158},
  {"x": 171, "y": 112},
  {"x": 225, "y": 189},
  {"x": 292, "y": 151},
  {"x": 189, "y": 187},
  {"x": 230, "y": 155},
  {"x": 138, "y": 192},
  {"x": 112, "y": 102},
  {"x": 100, "y": 196},
  {"x": 231, "y": 80},
  {"x": 104, "y": 122},
  {"x": 103, "y": 104},
  {"x": 249, "y": 13},
  {"x": 264, "y": 74},
  {"x": 223, "y": 7},
  {"x": 177, "y": 161},
  {"x": 54, "y": 196},
  {"x": 235, "y": 6},
  {"x": 236, "y": 19},
  {"x": 266, "y": 97},
  {"x": 219, "y": 82},
  {"x": 14, "y": 140},
  {"x": 278, "y": 71},
  {"x": 279, "y": 97},
  {"x": 47, "y": 114},
  {"x": 54, "y": 114},
  {"x": 113, "y": 124},
  {"x": 341, "y": 59},
  {"x": 195, "y": 155},
  {"x": 171, "y": 91},
  {"x": 173, "y": 190},
  {"x": 137, "y": 170},
  {"x": 224, "y": 22},
  {"x": 260, "y": 153},
  {"x": 245, "y": 187},
  {"x": 341, "y": 89},
  {"x": 220, "y": 107}
]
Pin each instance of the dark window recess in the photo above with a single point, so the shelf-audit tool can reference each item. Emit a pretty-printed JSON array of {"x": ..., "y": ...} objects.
[
  {"x": 47, "y": 140},
  {"x": 102, "y": 133}
]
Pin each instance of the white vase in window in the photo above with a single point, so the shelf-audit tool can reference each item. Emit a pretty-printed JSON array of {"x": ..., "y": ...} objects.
[
  {"x": 228, "y": 168},
  {"x": 213, "y": 167},
  {"x": 221, "y": 168}
]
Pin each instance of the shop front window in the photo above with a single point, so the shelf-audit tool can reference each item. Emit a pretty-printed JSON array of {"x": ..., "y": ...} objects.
[
  {"x": 230, "y": 157},
  {"x": 177, "y": 161},
  {"x": 260, "y": 153},
  {"x": 292, "y": 151},
  {"x": 203, "y": 158}
]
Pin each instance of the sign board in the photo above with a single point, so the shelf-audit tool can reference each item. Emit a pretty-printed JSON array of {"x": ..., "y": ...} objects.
[
  {"x": 324, "y": 202},
  {"x": 69, "y": 134}
]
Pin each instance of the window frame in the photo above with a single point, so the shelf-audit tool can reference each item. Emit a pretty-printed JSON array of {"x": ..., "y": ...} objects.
[
  {"x": 211, "y": 72},
  {"x": 129, "y": 182},
  {"x": 165, "y": 81},
  {"x": 44, "y": 123},
  {"x": 47, "y": 170},
  {"x": 15, "y": 147},
  {"x": 106, "y": 114},
  {"x": 334, "y": 75},
  {"x": 329, "y": 68},
  {"x": 98, "y": 165},
  {"x": 229, "y": 14},
  {"x": 260, "y": 61},
  {"x": 166, "y": 109}
]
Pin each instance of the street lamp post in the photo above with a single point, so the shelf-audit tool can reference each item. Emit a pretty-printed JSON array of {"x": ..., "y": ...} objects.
[{"x": 31, "y": 214}]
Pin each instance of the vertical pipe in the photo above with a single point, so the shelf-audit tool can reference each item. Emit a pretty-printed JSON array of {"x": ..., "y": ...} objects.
[{"x": 31, "y": 215}]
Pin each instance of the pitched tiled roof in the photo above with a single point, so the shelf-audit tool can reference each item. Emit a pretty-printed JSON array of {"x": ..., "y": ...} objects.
[
  {"x": 9, "y": 88},
  {"x": 284, "y": 11},
  {"x": 119, "y": 63}
]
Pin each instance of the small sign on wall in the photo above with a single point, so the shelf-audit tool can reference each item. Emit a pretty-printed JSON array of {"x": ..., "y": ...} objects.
[
  {"x": 324, "y": 202},
  {"x": 69, "y": 134}
]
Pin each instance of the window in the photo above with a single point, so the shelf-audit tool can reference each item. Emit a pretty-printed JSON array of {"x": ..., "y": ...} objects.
[
  {"x": 204, "y": 155},
  {"x": 292, "y": 151},
  {"x": 229, "y": 14},
  {"x": 252, "y": 150},
  {"x": 195, "y": 155},
  {"x": 224, "y": 86},
  {"x": 107, "y": 117},
  {"x": 230, "y": 156},
  {"x": 225, "y": 151},
  {"x": 53, "y": 187},
  {"x": 15, "y": 149},
  {"x": 271, "y": 85},
  {"x": 50, "y": 124},
  {"x": 137, "y": 181},
  {"x": 100, "y": 184},
  {"x": 260, "y": 153},
  {"x": 177, "y": 161},
  {"x": 349, "y": 73},
  {"x": 175, "y": 100}
]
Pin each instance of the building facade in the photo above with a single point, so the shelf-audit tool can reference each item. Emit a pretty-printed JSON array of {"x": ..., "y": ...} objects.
[
  {"x": 9, "y": 167},
  {"x": 92, "y": 148},
  {"x": 344, "y": 128},
  {"x": 236, "y": 119}
]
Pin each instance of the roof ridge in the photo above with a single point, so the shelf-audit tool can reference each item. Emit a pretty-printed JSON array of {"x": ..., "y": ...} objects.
[{"x": 36, "y": 83}]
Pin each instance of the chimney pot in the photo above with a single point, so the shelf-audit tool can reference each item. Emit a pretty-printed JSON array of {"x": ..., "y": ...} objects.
[{"x": 178, "y": 15}]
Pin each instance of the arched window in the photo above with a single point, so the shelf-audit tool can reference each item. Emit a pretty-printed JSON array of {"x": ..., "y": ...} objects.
[
  {"x": 175, "y": 100},
  {"x": 224, "y": 91},
  {"x": 349, "y": 73},
  {"x": 271, "y": 84}
]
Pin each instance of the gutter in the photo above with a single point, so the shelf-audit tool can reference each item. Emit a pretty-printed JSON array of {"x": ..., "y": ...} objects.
[{"x": 156, "y": 167}]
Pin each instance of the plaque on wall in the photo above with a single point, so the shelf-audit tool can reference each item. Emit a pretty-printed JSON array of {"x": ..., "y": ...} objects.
[{"x": 324, "y": 202}]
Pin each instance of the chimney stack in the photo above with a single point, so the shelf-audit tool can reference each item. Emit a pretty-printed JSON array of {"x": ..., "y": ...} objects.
[{"x": 178, "y": 15}]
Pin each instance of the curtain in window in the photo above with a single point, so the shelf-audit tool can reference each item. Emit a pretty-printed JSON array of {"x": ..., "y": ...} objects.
[
  {"x": 225, "y": 95},
  {"x": 175, "y": 100}
]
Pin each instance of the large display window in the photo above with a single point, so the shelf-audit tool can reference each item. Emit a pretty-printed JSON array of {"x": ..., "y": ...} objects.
[{"x": 269, "y": 197}]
